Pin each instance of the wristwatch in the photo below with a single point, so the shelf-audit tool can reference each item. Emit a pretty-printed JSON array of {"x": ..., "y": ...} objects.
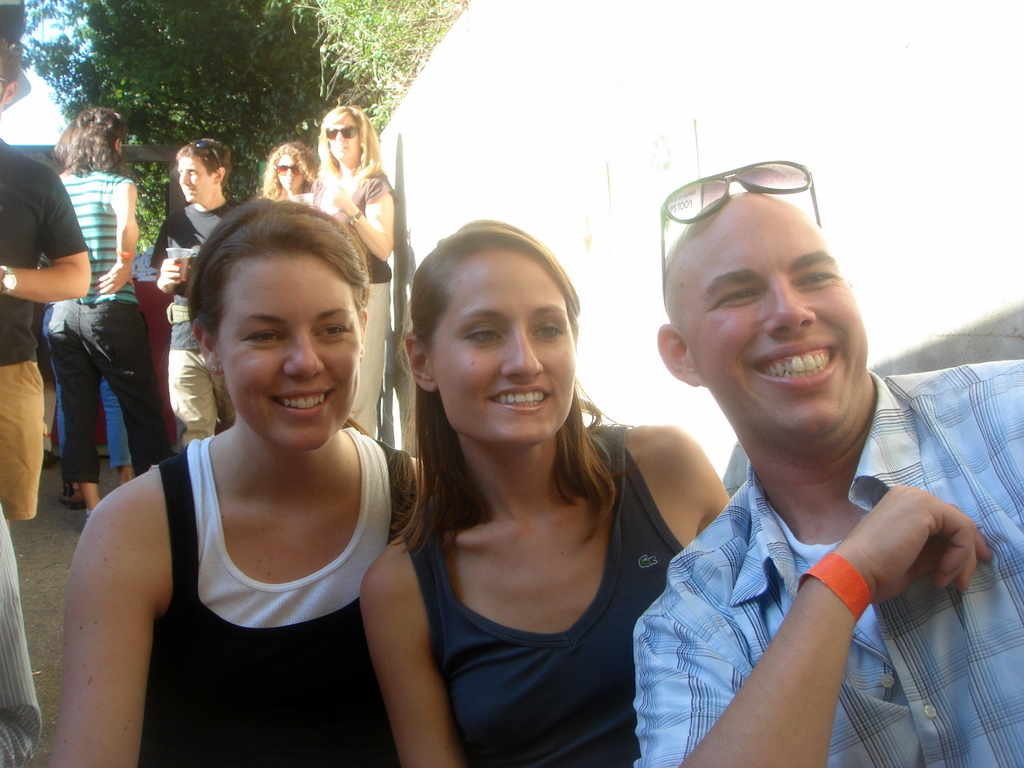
[
  {"x": 355, "y": 217},
  {"x": 9, "y": 282}
]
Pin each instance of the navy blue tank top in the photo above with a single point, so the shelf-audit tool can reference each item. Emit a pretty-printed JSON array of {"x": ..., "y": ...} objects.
[
  {"x": 563, "y": 699},
  {"x": 223, "y": 695}
]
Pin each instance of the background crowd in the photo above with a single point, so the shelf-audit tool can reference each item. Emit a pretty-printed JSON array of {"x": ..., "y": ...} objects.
[{"x": 99, "y": 346}]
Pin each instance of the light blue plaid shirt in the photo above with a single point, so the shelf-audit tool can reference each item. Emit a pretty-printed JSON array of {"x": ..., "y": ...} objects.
[{"x": 948, "y": 689}]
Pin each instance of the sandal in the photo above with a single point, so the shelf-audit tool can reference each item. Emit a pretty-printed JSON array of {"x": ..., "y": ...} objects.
[{"x": 71, "y": 497}]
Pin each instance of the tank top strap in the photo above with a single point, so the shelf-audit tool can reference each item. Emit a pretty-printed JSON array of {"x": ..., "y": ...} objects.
[
  {"x": 181, "y": 522},
  {"x": 611, "y": 439},
  {"x": 432, "y": 575}
]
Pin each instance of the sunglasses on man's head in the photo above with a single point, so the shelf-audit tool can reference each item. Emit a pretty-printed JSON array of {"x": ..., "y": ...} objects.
[
  {"x": 293, "y": 169},
  {"x": 705, "y": 197},
  {"x": 347, "y": 131},
  {"x": 211, "y": 146}
]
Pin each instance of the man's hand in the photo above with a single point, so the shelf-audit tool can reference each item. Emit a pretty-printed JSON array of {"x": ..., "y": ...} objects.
[
  {"x": 909, "y": 533},
  {"x": 118, "y": 275},
  {"x": 170, "y": 275}
]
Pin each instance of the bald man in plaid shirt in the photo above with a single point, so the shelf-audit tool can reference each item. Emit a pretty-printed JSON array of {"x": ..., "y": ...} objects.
[{"x": 860, "y": 602}]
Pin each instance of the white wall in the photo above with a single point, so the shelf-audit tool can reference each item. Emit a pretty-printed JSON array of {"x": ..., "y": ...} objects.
[{"x": 574, "y": 118}]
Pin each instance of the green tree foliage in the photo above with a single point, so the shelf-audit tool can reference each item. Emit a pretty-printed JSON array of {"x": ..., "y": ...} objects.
[
  {"x": 245, "y": 72},
  {"x": 380, "y": 46},
  {"x": 250, "y": 73}
]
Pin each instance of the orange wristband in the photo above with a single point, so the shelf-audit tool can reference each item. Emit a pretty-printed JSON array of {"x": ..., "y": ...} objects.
[
  {"x": 842, "y": 578},
  {"x": 125, "y": 255}
]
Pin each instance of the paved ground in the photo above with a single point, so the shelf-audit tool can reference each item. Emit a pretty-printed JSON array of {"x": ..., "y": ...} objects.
[{"x": 44, "y": 547}]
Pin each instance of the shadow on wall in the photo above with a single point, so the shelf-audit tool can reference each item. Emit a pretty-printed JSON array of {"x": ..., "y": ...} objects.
[{"x": 998, "y": 337}]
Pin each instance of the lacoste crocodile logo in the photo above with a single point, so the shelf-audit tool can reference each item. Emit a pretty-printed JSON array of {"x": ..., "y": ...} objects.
[{"x": 646, "y": 561}]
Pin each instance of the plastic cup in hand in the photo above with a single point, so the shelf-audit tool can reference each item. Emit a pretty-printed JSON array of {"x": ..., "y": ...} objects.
[{"x": 183, "y": 258}]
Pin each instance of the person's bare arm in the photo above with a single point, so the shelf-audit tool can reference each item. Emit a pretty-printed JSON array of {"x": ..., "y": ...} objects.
[
  {"x": 66, "y": 278},
  {"x": 684, "y": 485},
  {"x": 119, "y": 584},
  {"x": 783, "y": 713},
  {"x": 376, "y": 228},
  {"x": 123, "y": 203},
  {"x": 414, "y": 691}
]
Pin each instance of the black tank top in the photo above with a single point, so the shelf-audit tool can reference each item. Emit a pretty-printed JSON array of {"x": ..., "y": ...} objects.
[
  {"x": 224, "y": 695},
  {"x": 564, "y": 699}
]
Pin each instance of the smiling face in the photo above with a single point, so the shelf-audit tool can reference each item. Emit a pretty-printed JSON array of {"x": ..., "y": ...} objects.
[
  {"x": 763, "y": 318},
  {"x": 348, "y": 152},
  {"x": 289, "y": 343},
  {"x": 198, "y": 185},
  {"x": 503, "y": 356}
]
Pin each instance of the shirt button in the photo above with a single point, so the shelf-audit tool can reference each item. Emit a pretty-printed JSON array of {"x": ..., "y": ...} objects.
[
  {"x": 888, "y": 681},
  {"x": 930, "y": 712}
]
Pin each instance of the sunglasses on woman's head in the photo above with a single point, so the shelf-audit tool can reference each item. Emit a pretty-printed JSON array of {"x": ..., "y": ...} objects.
[
  {"x": 293, "y": 169},
  {"x": 348, "y": 132}
]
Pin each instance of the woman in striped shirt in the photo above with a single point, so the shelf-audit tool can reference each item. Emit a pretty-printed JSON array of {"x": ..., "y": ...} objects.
[{"x": 103, "y": 333}]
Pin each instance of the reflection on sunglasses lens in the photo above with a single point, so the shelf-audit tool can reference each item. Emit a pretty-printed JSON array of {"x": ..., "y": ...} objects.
[
  {"x": 691, "y": 200},
  {"x": 774, "y": 176}
]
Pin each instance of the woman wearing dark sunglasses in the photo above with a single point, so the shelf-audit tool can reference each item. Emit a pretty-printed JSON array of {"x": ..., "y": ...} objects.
[
  {"x": 291, "y": 170},
  {"x": 354, "y": 189}
]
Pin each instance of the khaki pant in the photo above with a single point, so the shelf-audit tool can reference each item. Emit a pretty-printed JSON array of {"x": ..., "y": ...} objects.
[
  {"x": 198, "y": 399},
  {"x": 21, "y": 439}
]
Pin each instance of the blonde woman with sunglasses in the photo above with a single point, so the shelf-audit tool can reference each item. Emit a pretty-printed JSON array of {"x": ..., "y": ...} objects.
[{"x": 354, "y": 189}]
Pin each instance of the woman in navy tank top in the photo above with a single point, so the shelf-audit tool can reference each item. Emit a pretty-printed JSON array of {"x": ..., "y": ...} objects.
[
  {"x": 212, "y": 609},
  {"x": 501, "y": 626}
]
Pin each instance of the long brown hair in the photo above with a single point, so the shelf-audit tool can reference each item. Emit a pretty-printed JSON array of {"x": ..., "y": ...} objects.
[
  {"x": 448, "y": 500},
  {"x": 302, "y": 156},
  {"x": 91, "y": 143}
]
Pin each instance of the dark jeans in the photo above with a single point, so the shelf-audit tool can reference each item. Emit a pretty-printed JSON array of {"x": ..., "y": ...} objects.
[{"x": 106, "y": 340}]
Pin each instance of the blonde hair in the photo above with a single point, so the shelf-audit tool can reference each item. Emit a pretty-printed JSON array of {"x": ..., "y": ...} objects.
[{"x": 369, "y": 158}]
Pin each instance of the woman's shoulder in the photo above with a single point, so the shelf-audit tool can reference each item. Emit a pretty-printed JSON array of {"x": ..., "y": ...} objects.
[
  {"x": 377, "y": 185},
  {"x": 391, "y": 579},
  {"x": 680, "y": 477},
  {"x": 652, "y": 448},
  {"x": 659, "y": 444},
  {"x": 138, "y": 503},
  {"x": 108, "y": 178},
  {"x": 126, "y": 541}
]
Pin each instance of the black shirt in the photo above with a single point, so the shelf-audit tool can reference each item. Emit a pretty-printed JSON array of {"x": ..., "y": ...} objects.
[
  {"x": 36, "y": 218},
  {"x": 187, "y": 228}
]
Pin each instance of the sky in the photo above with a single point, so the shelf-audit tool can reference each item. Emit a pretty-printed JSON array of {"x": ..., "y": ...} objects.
[{"x": 34, "y": 119}]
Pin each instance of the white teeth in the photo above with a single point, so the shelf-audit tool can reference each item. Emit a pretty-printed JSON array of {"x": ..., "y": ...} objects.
[
  {"x": 521, "y": 397},
  {"x": 303, "y": 402},
  {"x": 800, "y": 366}
]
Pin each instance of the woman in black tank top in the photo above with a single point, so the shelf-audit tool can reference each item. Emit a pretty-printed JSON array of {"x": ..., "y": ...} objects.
[
  {"x": 155, "y": 674},
  {"x": 500, "y": 627}
]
